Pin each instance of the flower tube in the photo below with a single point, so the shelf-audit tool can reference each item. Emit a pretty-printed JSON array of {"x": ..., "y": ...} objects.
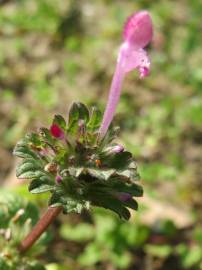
[{"x": 137, "y": 34}]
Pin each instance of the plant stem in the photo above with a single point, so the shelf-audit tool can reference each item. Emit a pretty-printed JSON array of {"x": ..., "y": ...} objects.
[{"x": 39, "y": 228}]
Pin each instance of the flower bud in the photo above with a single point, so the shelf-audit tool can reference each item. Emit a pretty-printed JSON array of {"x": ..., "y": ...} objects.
[
  {"x": 57, "y": 132},
  {"x": 123, "y": 196},
  {"x": 58, "y": 179},
  {"x": 51, "y": 167},
  {"x": 118, "y": 148},
  {"x": 114, "y": 149}
]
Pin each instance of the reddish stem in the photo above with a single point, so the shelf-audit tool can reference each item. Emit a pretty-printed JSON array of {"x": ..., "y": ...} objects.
[{"x": 39, "y": 228}]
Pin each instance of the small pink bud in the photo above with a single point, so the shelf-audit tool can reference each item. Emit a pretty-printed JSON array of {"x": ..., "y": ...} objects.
[
  {"x": 58, "y": 179},
  {"x": 56, "y": 131},
  {"x": 114, "y": 149},
  {"x": 138, "y": 29},
  {"x": 118, "y": 148},
  {"x": 123, "y": 196}
]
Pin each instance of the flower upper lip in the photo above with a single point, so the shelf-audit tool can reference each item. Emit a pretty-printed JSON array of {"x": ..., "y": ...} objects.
[{"x": 138, "y": 29}]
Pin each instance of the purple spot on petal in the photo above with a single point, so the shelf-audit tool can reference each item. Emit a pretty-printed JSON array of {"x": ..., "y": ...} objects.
[{"x": 144, "y": 71}]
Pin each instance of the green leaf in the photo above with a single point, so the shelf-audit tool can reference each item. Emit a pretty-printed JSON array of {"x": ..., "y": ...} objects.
[
  {"x": 78, "y": 111},
  {"x": 55, "y": 199},
  {"x": 56, "y": 266},
  {"x": 39, "y": 186},
  {"x": 161, "y": 251},
  {"x": 133, "y": 189},
  {"x": 73, "y": 116},
  {"x": 29, "y": 168},
  {"x": 131, "y": 204},
  {"x": 133, "y": 165},
  {"x": 4, "y": 265},
  {"x": 30, "y": 212},
  {"x": 113, "y": 204},
  {"x": 101, "y": 174},
  {"x": 121, "y": 160},
  {"x": 34, "y": 266},
  {"x": 34, "y": 138},
  {"x": 60, "y": 121},
  {"x": 124, "y": 173},
  {"x": 45, "y": 132},
  {"x": 193, "y": 257},
  {"x": 81, "y": 232},
  {"x": 83, "y": 112},
  {"x": 91, "y": 255},
  {"x": 95, "y": 119},
  {"x": 72, "y": 206},
  {"x": 22, "y": 150},
  {"x": 75, "y": 171},
  {"x": 129, "y": 174}
]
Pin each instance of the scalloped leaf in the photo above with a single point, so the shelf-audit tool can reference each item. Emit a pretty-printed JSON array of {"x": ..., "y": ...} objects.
[
  {"x": 41, "y": 186},
  {"x": 131, "y": 204},
  {"x": 72, "y": 206},
  {"x": 133, "y": 189},
  {"x": 29, "y": 168},
  {"x": 22, "y": 150},
  {"x": 121, "y": 160},
  {"x": 100, "y": 173},
  {"x": 73, "y": 116},
  {"x": 95, "y": 119},
  {"x": 78, "y": 111},
  {"x": 83, "y": 112},
  {"x": 114, "y": 205},
  {"x": 130, "y": 174},
  {"x": 75, "y": 171},
  {"x": 55, "y": 199}
]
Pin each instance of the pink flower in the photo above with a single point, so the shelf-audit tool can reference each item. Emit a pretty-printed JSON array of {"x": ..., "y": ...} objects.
[
  {"x": 137, "y": 34},
  {"x": 57, "y": 132}
]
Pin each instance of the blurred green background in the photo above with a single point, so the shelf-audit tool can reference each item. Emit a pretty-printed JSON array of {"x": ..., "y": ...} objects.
[{"x": 53, "y": 52}]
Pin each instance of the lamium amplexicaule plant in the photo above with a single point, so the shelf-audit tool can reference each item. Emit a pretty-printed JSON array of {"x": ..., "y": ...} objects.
[{"x": 77, "y": 160}]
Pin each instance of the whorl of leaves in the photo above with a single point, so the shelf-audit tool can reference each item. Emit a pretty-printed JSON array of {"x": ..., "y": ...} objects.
[{"x": 79, "y": 170}]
